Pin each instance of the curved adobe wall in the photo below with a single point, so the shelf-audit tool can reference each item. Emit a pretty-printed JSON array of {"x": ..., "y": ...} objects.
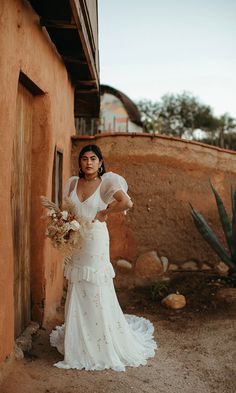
[{"x": 164, "y": 174}]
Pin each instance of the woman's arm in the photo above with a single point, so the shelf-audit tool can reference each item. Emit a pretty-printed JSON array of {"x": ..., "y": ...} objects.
[{"x": 122, "y": 202}]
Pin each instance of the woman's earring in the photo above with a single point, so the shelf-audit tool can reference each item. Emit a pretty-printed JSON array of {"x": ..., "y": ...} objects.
[
  {"x": 81, "y": 173},
  {"x": 100, "y": 170}
]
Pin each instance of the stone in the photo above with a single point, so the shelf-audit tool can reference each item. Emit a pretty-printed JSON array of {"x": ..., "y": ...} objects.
[
  {"x": 124, "y": 264},
  {"x": 173, "y": 266},
  {"x": 174, "y": 301},
  {"x": 24, "y": 341},
  {"x": 222, "y": 268},
  {"x": 19, "y": 354},
  {"x": 165, "y": 279},
  {"x": 191, "y": 265},
  {"x": 165, "y": 263},
  {"x": 32, "y": 328},
  {"x": 124, "y": 281},
  {"x": 149, "y": 266},
  {"x": 227, "y": 294},
  {"x": 124, "y": 274},
  {"x": 205, "y": 267}
]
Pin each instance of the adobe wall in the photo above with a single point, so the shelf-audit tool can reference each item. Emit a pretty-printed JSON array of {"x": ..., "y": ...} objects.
[
  {"x": 164, "y": 175},
  {"x": 25, "y": 46}
]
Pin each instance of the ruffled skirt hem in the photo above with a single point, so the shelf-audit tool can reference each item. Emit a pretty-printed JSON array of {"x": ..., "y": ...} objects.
[
  {"x": 141, "y": 327},
  {"x": 75, "y": 274},
  {"x": 99, "y": 367}
]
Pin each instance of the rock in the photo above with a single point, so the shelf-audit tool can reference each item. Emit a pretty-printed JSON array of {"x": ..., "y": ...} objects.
[
  {"x": 227, "y": 294},
  {"x": 32, "y": 328},
  {"x": 222, "y": 268},
  {"x": 165, "y": 279},
  {"x": 173, "y": 266},
  {"x": 149, "y": 266},
  {"x": 191, "y": 265},
  {"x": 24, "y": 341},
  {"x": 174, "y": 301},
  {"x": 205, "y": 267},
  {"x": 165, "y": 263},
  {"x": 124, "y": 264},
  {"x": 124, "y": 274},
  {"x": 19, "y": 354},
  {"x": 124, "y": 281}
]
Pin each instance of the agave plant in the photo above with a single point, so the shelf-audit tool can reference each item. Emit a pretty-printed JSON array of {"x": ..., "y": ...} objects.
[{"x": 229, "y": 228}]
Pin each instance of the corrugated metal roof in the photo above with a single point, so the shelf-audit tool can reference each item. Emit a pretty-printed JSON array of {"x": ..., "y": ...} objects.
[{"x": 129, "y": 105}]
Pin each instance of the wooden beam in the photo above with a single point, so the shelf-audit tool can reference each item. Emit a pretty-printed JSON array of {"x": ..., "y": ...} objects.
[
  {"x": 81, "y": 26},
  {"x": 75, "y": 60},
  {"x": 58, "y": 24},
  {"x": 90, "y": 91},
  {"x": 30, "y": 85},
  {"x": 85, "y": 83}
]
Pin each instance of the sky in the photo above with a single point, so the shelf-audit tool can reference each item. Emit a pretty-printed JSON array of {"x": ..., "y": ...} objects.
[{"x": 148, "y": 48}]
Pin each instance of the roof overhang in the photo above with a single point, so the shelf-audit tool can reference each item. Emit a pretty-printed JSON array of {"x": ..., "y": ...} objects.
[{"x": 72, "y": 27}]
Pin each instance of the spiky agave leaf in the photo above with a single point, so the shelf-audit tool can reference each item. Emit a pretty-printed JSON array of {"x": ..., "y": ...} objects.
[
  {"x": 49, "y": 204},
  {"x": 233, "y": 200},
  {"x": 211, "y": 238},
  {"x": 225, "y": 222},
  {"x": 233, "y": 193}
]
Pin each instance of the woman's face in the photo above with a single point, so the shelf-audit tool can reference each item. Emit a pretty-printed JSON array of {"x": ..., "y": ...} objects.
[{"x": 90, "y": 163}]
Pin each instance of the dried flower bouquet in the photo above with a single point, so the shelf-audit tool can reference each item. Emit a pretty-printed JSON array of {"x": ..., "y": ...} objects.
[{"x": 64, "y": 227}]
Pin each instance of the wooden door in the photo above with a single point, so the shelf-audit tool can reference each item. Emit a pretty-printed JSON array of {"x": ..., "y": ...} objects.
[{"x": 21, "y": 201}]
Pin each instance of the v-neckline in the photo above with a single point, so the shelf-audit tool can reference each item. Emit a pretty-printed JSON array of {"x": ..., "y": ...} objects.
[{"x": 75, "y": 190}]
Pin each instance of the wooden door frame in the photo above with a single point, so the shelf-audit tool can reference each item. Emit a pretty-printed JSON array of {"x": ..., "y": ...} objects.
[{"x": 33, "y": 90}]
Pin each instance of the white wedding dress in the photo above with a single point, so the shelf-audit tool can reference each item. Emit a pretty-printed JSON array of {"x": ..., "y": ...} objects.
[{"x": 96, "y": 334}]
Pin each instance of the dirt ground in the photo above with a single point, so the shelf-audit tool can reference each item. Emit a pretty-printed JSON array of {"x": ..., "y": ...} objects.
[{"x": 197, "y": 347}]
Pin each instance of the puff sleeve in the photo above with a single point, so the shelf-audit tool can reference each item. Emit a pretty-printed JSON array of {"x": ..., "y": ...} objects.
[
  {"x": 66, "y": 192},
  {"x": 111, "y": 183}
]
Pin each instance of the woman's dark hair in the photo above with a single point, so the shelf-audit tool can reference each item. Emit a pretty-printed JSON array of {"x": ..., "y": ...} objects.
[{"x": 96, "y": 150}]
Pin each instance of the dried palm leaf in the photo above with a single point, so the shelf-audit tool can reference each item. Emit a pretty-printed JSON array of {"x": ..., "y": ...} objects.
[
  {"x": 49, "y": 204},
  {"x": 69, "y": 206}
]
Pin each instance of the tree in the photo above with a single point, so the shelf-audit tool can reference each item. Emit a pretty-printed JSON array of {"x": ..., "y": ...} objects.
[
  {"x": 183, "y": 115},
  {"x": 226, "y": 127},
  {"x": 149, "y": 115},
  {"x": 224, "y": 133},
  {"x": 178, "y": 115}
]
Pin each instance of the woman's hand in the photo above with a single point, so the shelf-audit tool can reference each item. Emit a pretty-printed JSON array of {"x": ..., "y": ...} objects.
[
  {"x": 121, "y": 203},
  {"x": 101, "y": 216}
]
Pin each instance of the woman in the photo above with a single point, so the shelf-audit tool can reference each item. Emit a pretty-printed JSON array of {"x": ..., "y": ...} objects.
[{"x": 96, "y": 334}]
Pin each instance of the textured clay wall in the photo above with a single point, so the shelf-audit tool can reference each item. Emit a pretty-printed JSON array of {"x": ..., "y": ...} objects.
[
  {"x": 25, "y": 47},
  {"x": 164, "y": 175}
]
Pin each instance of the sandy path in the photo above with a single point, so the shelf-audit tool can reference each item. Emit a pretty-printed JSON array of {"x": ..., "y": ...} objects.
[{"x": 197, "y": 354}]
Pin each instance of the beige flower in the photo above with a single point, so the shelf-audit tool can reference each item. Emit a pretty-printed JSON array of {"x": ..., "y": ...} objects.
[
  {"x": 51, "y": 212},
  {"x": 74, "y": 225},
  {"x": 64, "y": 214}
]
